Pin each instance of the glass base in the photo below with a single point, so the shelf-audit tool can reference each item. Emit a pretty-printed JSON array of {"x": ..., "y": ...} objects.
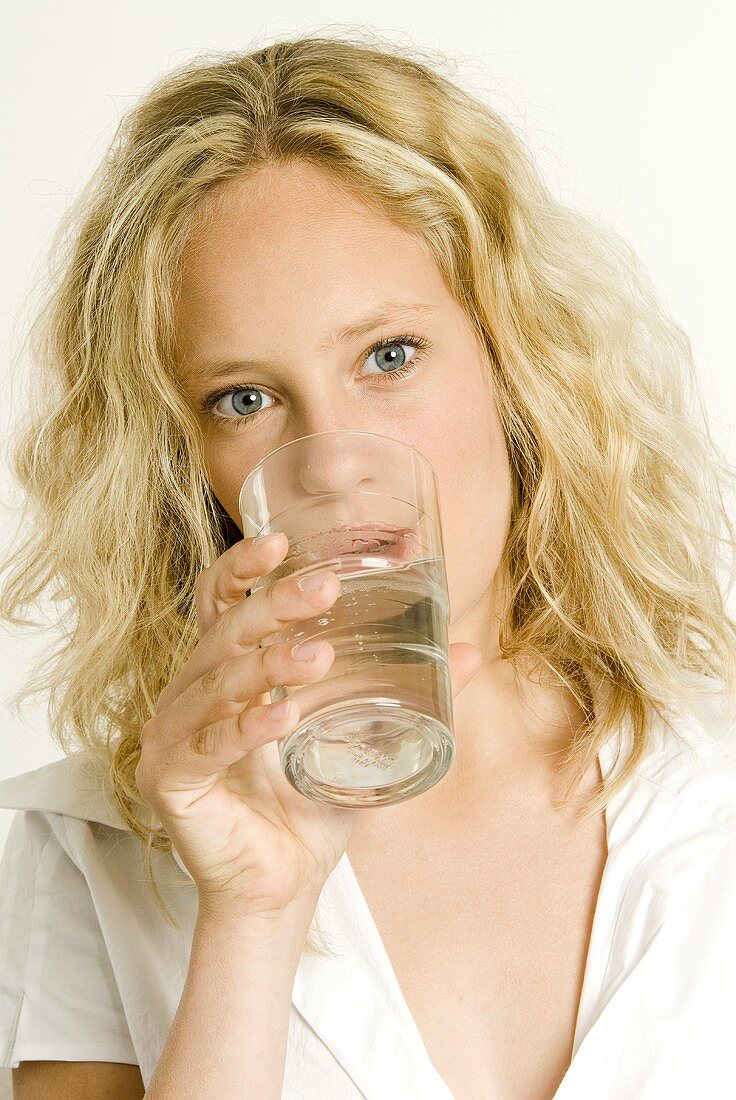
[{"x": 370, "y": 754}]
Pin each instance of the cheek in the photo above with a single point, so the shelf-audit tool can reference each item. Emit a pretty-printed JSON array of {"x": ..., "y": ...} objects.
[
  {"x": 226, "y": 473},
  {"x": 467, "y": 447}
]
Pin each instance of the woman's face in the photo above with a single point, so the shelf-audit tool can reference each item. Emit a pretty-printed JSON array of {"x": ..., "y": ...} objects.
[{"x": 284, "y": 261}]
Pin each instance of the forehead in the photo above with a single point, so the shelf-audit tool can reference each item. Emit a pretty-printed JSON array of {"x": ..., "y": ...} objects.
[
  {"x": 291, "y": 233},
  {"x": 281, "y": 200}
]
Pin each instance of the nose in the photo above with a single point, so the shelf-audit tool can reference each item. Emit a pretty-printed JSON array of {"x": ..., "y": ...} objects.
[
  {"x": 327, "y": 479},
  {"x": 338, "y": 462}
]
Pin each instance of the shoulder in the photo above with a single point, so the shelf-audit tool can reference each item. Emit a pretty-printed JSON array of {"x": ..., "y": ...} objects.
[
  {"x": 59, "y": 986},
  {"x": 74, "y": 786},
  {"x": 676, "y": 815},
  {"x": 67, "y": 818},
  {"x": 693, "y": 760}
]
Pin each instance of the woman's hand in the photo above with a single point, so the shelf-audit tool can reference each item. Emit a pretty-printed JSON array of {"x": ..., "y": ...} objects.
[{"x": 209, "y": 765}]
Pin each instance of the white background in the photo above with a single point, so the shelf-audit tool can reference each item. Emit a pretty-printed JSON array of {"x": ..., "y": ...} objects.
[{"x": 627, "y": 105}]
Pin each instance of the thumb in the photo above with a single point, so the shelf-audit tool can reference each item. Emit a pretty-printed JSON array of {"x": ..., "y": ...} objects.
[{"x": 465, "y": 661}]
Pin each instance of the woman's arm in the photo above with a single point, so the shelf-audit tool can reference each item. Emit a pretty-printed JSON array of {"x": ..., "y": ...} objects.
[{"x": 228, "y": 1038}]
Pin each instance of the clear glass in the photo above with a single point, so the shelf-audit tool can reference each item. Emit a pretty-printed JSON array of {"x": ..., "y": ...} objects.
[{"x": 377, "y": 728}]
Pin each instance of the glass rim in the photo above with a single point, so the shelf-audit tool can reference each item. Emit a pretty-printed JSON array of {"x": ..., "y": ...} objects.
[{"x": 332, "y": 431}]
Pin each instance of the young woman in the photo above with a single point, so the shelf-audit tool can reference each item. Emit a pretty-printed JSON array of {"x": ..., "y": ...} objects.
[{"x": 321, "y": 234}]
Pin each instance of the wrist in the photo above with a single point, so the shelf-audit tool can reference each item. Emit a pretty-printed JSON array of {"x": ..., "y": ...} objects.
[{"x": 265, "y": 931}]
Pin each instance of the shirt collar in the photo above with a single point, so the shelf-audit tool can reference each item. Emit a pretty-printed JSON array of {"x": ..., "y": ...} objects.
[{"x": 74, "y": 785}]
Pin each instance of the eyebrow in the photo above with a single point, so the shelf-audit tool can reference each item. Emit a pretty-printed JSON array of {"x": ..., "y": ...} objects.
[{"x": 385, "y": 313}]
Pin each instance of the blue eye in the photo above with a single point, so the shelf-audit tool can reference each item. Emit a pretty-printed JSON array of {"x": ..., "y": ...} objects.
[
  {"x": 246, "y": 401},
  {"x": 394, "y": 360}
]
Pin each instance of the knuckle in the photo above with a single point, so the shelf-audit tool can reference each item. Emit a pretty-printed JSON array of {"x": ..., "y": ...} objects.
[
  {"x": 142, "y": 776},
  {"x": 212, "y": 626},
  {"x": 213, "y": 680},
  {"x": 147, "y": 735},
  {"x": 244, "y": 720},
  {"x": 272, "y": 665},
  {"x": 272, "y": 587},
  {"x": 204, "y": 741},
  {"x": 199, "y": 600},
  {"x": 201, "y": 581},
  {"x": 203, "y": 589},
  {"x": 221, "y": 627},
  {"x": 283, "y": 607},
  {"x": 166, "y": 696}
]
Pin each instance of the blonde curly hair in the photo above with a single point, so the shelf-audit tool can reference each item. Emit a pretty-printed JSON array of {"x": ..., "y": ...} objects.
[{"x": 619, "y": 528}]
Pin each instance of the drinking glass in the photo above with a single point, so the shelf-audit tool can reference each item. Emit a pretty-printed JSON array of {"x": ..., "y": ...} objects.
[{"x": 377, "y": 728}]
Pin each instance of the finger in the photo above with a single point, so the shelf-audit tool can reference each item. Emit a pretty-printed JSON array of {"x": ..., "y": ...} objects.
[
  {"x": 232, "y": 686},
  {"x": 243, "y": 626},
  {"x": 195, "y": 763},
  {"x": 228, "y": 579}
]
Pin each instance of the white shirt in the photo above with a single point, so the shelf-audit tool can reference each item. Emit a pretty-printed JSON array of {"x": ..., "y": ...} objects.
[{"x": 90, "y": 969}]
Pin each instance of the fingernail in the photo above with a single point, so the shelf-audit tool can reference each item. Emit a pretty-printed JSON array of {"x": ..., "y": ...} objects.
[
  {"x": 264, "y": 540},
  {"x": 279, "y": 710},
  {"x": 313, "y": 581},
  {"x": 305, "y": 651}
]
